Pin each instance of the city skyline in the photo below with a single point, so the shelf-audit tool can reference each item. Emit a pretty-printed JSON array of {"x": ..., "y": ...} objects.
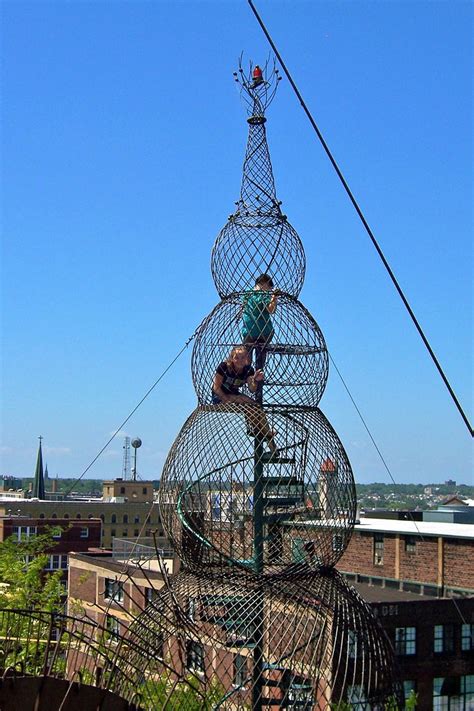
[{"x": 122, "y": 161}]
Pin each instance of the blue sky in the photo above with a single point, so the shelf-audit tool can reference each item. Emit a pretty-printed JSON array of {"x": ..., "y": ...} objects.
[{"x": 123, "y": 139}]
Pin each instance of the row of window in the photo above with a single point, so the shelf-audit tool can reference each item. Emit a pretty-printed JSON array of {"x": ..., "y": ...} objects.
[
  {"x": 443, "y": 639},
  {"x": 300, "y": 546},
  {"x": 113, "y": 518},
  {"x": 136, "y": 533},
  {"x": 410, "y": 547},
  {"x": 22, "y": 533},
  {"x": 449, "y": 694},
  {"x": 298, "y": 694}
]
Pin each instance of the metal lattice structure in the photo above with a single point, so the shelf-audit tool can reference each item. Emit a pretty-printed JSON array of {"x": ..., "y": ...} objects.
[
  {"x": 309, "y": 493},
  {"x": 258, "y": 531},
  {"x": 258, "y": 617},
  {"x": 296, "y": 364},
  {"x": 257, "y": 237}
]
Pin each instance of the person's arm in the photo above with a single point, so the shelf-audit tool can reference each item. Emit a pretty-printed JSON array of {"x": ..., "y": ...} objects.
[
  {"x": 271, "y": 308},
  {"x": 217, "y": 387},
  {"x": 253, "y": 380}
]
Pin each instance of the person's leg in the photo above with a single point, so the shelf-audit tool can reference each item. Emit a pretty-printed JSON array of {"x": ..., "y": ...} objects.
[{"x": 262, "y": 428}]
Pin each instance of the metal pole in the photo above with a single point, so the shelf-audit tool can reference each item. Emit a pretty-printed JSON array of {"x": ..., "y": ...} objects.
[{"x": 258, "y": 530}]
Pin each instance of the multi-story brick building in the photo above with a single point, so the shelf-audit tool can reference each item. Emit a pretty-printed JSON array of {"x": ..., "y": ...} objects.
[
  {"x": 434, "y": 644},
  {"x": 407, "y": 554},
  {"x": 68, "y": 535},
  {"x": 127, "y": 509},
  {"x": 108, "y": 586}
]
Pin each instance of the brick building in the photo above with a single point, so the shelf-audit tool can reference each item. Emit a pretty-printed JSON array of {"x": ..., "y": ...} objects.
[
  {"x": 434, "y": 644},
  {"x": 439, "y": 556},
  {"x": 127, "y": 509},
  {"x": 68, "y": 536}
]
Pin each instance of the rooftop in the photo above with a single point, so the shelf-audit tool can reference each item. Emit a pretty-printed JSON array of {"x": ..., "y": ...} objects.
[{"x": 416, "y": 528}]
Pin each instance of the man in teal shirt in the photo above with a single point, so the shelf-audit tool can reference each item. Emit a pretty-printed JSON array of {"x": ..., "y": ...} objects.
[{"x": 258, "y": 305}]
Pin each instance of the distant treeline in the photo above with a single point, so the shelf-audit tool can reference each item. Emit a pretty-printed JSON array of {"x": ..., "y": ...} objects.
[
  {"x": 87, "y": 486},
  {"x": 414, "y": 489}
]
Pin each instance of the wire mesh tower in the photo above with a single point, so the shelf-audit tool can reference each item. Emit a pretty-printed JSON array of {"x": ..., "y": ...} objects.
[{"x": 254, "y": 527}]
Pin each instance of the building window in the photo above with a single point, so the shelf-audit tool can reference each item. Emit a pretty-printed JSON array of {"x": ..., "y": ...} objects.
[
  {"x": 298, "y": 693},
  {"x": 57, "y": 532},
  {"x": 125, "y": 518},
  {"x": 23, "y": 533},
  {"x": 240, "y": 670},
  {"x": 378, "y": 548},
  {"x": 144, "y": 489},
  {"x": 357, "y": 698},
  {"x": 78, "y": 515},
  {"x": 54, "y": 515},
  {"x": 57, "y": 561},
  {"x": 113, "y": 518},
  {"x": 66, "y": 515},
  {"x": 136, "y": 519},
  {"x": 136, "y": 533},
  {"x": 443, "y": 638},
  {"x": 467, "y": 638},
  {"x": 353, "y": 644},
  {"x": 84, "y": 533},
  {"x": 125, "y": 533},
  {"x": 337, "y": 543},
  {"x": 122, "y": 490},
  {"x": 405, "y": 640},
  {"x": 194, "y": 656},
  {"x": 150, "y": 596},
  {"x": 113, "y": 628},
  {"x": 102, "y": 518},
  {"x": 409, "y": 691},
  {"x": 113, "y": 532},
  {"x": 410, "y": 544},
  {"x": 41, "y": 515},
  {"x": 113, "y": 590},
  {"x": 453, "y": 693},
  {"x": 191, "y": 608}
]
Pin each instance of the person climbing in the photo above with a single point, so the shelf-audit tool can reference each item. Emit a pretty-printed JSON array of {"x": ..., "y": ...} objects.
[
  {"x": 257, "y": 307},
  {"x": 232, "y": 374}
]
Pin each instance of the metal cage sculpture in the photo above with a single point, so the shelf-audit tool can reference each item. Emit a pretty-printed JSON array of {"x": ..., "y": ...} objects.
[
  {"x": 259, "y": 532},
  {"x": 258, "y": 617}
]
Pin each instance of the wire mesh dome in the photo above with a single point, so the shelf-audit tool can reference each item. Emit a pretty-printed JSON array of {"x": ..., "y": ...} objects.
[
  {"x": 309, "y": 642},
  {"x": 210, "y": 500},
  {"x": 295, "y": 356},
  {"x": 255, "y": 242},
  {"x": 257, "y": 238}
]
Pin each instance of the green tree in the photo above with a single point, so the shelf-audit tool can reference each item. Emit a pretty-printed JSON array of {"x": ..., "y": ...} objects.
[{"x": 24, "y": 584}]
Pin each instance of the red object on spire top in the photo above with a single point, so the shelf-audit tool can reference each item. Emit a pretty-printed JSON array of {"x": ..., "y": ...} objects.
[{"x": 257, "y": 76}]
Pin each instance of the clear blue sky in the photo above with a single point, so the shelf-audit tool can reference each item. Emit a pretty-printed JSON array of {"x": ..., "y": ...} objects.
[{"x": 123, "y": 140}]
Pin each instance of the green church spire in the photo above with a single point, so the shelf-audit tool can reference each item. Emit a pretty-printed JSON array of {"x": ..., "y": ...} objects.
[{"x": 38, "y": 484}]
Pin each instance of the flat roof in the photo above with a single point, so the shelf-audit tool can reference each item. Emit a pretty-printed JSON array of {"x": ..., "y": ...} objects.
[
  {"x": 377, "y": 593},
  {"x": 416, "y": 528}
]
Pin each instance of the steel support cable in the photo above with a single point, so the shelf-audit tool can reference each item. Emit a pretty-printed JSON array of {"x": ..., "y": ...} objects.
[
  {"x": 363, "y": 220},
  {"x": 168, "y": 367}
]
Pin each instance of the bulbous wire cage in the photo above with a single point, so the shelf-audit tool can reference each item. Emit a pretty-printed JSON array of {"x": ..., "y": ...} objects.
[
  {"x": 306, "y": 497},
  {"x": 321, "y": 647},
  {"x": 254, "y": 243},
  {"x": 296, "y": 363}
]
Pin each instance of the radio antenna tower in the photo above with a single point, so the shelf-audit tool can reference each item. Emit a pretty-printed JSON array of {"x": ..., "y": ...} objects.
[{"x": 126, "y": 459}]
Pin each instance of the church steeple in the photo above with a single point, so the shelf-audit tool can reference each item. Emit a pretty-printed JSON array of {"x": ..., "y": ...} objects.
[{"x": 38, "y": 484}]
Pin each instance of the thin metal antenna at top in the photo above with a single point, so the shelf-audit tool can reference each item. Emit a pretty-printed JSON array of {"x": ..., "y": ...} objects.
[{"x": 257, "y": 87}]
